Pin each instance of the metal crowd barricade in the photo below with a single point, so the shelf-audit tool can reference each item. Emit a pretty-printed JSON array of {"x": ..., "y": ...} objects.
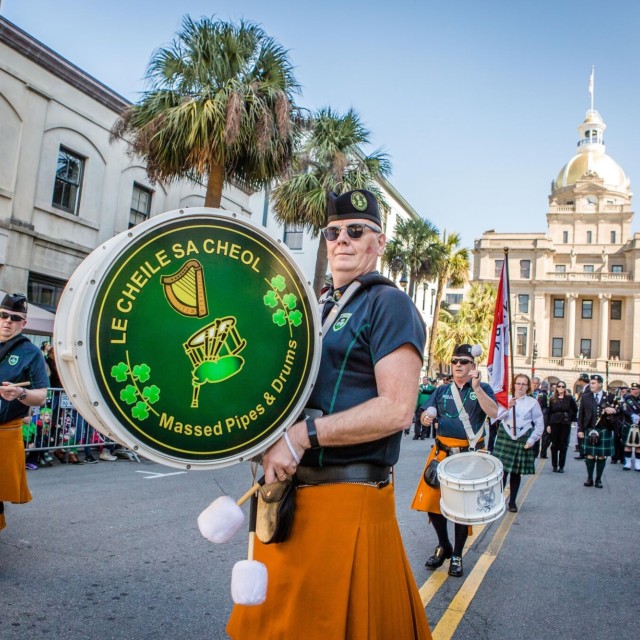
[{"x": 58, "y": 426}]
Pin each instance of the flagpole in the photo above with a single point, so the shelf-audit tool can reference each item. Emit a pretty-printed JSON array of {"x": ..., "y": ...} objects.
[{"x": 508, "y": 297}]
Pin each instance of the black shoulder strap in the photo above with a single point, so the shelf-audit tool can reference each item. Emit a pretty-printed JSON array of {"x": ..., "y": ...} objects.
[
  {"x": 9, "y": 345},
  {"x": 369, "y": 279}
]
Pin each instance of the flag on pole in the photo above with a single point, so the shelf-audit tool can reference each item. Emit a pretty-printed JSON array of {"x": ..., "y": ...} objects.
[
  {"x": 591, "y": 82},
  {"x": 498, "y": 360}
]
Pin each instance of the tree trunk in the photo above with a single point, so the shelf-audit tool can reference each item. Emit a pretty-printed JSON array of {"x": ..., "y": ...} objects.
[
  {"x": 322, "y": 261},
  {"x": 213, "y": 197},
  {"x": 434, "y": 326}
]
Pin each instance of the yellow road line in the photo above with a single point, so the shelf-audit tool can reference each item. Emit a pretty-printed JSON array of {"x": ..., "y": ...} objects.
[{"x": 452, "y": 617}]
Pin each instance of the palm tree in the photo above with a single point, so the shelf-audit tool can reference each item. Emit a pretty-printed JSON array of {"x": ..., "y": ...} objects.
[
  {"x": 415, "y": 249},
  {"x": 220, "y": 107},
  {"x": 330, "y": 159},
  {"x": 471, "y": 325},
  {"x": 453, "y": 269}
]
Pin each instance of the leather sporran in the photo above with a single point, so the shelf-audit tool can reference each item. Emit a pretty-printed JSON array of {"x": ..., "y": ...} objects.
[
  {"x": 274, "y": 516},
  {"x": 431, "y": 474},
  {"x": 593, "y": 437}
]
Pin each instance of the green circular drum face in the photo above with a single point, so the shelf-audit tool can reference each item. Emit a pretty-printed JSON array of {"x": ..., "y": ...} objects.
[{"x": 202, "y": 339}]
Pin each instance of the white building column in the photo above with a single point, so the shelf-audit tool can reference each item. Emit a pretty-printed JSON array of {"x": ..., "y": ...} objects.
[
  {"x": 635, "y": 336},
  {"x": 603, "y": 347},
  {"x": 570, "y": 333}
]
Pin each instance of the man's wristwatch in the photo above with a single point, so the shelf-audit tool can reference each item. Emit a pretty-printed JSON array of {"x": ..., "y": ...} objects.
[
  {"x": 312, "y": 433},
  {"x": 23, "y": 395}
]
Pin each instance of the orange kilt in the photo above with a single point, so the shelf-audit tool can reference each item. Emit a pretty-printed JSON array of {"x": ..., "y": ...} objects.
[
  {"x": 343, "y": 573},
  {"x": 13, "y": 473}
]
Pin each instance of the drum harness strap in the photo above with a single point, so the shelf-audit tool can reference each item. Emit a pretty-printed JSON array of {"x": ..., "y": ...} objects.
[{"x": 464, "y": 417}]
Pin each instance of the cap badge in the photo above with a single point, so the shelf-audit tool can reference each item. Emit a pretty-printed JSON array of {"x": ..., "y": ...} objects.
[{"x": 358, "y": 201}]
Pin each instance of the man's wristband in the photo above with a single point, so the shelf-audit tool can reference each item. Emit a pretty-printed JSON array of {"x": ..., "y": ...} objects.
[
  {"x": 23, "y": 395},
  {"x": 312, "y": 433}
]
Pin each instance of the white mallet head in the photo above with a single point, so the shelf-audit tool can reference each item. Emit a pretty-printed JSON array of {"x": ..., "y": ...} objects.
[
  {"x": 476, "y": 350},
  {"x": 432, "y": 412},
  {"x": 221, "y": 520},
  {"x": 249, "y": 582}
]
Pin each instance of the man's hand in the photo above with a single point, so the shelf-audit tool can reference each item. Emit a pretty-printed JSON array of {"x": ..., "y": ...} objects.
[{"x": 475, "y": 379}]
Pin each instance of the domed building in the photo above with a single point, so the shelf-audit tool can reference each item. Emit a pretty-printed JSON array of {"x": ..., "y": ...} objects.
[{"x": 575, "y": 294}]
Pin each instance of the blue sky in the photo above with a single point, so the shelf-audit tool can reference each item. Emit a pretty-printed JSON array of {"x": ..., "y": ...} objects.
[{"x": 477, "y": 103}]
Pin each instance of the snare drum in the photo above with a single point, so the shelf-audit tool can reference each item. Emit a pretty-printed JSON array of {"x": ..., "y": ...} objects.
[{"x": 471, "y": 488}]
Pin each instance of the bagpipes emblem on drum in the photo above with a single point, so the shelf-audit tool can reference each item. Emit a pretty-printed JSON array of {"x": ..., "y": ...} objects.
[{"x": 192, "y": 338}]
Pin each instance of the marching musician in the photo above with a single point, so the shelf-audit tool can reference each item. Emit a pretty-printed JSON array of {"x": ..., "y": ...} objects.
[
  {"x": 597, "y": 417},
  {"x": 20, "y": 362},
  {"x": 478, "y": 400},
  {"x": 343, "y": 571},
  {"x": 631, "y": 417}
]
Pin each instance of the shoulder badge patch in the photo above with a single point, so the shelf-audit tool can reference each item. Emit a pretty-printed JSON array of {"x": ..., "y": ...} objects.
[
  {"x": 13, "y": 360},
  {"x": 341, "y": 321},
  {"x": 358, "y": 201}
]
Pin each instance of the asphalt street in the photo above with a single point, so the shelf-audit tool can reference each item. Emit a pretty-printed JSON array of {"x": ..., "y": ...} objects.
[{"x": 111, "y": 551}]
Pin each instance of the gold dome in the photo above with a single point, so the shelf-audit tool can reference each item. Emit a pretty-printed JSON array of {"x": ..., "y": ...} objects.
[{"x": 606, "y": 168}]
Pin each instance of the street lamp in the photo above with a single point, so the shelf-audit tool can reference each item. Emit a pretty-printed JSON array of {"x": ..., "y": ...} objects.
[{"x": 404, "y": 280}]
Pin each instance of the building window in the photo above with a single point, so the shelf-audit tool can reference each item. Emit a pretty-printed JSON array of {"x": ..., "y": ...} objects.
[
  {"x": 614, "y": 349},
  {"x": 523, "y": 303},
  {"x": 68, "y": 183},
  {"x": 525, "y": 269},
  {"x": 561, "y": 268},
  {"x": 556, "y": 347},
  {"x": 616, "y": 268},
  {"x": 565, "y": 237},
  {"x": 140, "y": 205},
  {"x": 558, "y": 308},
  {"x": 616, "y": 310},
  {"x": 587, "y": 309},
  {"x": 587, "y": 268},
  {"x": 521, "y": 341},
  {"x": 498, "y": 268},
  {"x": 433, "y": 301},
  {"x": 585, "y": 348},
  {"x": 613, "y": 237},
  {"x": 453, "y": 298},
  {"x": 45, "y": 291},
  {"x": 293, "y": 234},
  {"x": 589, "y": 237}
]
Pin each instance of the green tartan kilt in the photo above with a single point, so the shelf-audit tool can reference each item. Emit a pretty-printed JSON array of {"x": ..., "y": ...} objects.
[
  {"x": 603, "y": 449},
  {"x": 626, "y": 427},
  {"x": 514, "y": 457}
]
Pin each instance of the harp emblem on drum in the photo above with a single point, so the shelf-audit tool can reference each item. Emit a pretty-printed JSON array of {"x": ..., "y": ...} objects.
[
  {"x": 486, "y": 499},
  {"x": 185, "y": 290},
  {"x": 213, "y": 351}
]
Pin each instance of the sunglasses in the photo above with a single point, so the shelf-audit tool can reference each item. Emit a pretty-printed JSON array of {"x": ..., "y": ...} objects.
[
  {"x": 461, "y": 361},
  {"x": 10, "y": 316},
  {"x": 561, "y": 386},
  {"x": 354, "y": 231}
]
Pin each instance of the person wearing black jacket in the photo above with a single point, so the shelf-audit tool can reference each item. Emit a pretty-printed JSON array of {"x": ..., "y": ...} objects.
[
  {"x": 540, "y": 391},
  {"x": 562, "y": 411}
]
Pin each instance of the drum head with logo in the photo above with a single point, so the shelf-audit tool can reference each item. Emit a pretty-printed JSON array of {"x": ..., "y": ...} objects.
[{"x": 194, "y": 339}]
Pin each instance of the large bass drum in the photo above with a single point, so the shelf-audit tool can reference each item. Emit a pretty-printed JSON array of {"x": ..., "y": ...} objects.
[{"x": 192, "y": 338}]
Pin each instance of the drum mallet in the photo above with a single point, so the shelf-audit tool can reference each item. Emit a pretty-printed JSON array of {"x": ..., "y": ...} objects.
[
  {"x": 431, "y": 412},
  {"x": 249, "y": 577},
  {"x": 223, "y": 518}
]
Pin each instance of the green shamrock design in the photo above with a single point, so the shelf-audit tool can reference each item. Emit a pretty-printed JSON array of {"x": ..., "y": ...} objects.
[
  {"x": 131, "y": 393},
  {"x": 288, "y": 313}
]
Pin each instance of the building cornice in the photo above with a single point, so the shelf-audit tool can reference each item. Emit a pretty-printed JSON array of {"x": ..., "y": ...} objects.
[{"x": 32, "y": 49}]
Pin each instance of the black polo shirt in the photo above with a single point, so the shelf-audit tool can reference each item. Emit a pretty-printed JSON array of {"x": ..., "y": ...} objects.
[{"x": 375, "y": 322}]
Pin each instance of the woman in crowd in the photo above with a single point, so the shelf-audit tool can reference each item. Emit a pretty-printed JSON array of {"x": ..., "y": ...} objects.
[
  {"x": 513, "y": 445},
  {"x": 562, "y": 411}
]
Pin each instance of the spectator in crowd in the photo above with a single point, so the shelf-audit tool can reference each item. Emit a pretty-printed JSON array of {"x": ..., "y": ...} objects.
[{"x": 562, "y": 411}]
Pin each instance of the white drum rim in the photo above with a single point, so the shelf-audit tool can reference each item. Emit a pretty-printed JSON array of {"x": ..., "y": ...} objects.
[
  {"x": 71, "y": 334},
  {"x": 454, "y": 517}
]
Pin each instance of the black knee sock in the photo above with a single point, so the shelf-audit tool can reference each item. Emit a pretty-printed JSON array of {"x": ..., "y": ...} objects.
[
  {"x": 600, "y": 468},
  {"x": 439, "y": 523},
  {"x": 514, "y": 486},
  {"x": 591, "y": 463},
  {"x": 461, "y": 533}
]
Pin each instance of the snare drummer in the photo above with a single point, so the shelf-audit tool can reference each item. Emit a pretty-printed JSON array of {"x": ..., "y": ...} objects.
[
  {"x": 515, "y": 449},
  {"x": 479, "y": 402}
]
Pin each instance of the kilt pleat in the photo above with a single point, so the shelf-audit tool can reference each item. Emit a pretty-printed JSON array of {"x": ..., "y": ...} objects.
[
  {"x": 514, "y": 457},
  {"x": 342, "y": 573}
]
